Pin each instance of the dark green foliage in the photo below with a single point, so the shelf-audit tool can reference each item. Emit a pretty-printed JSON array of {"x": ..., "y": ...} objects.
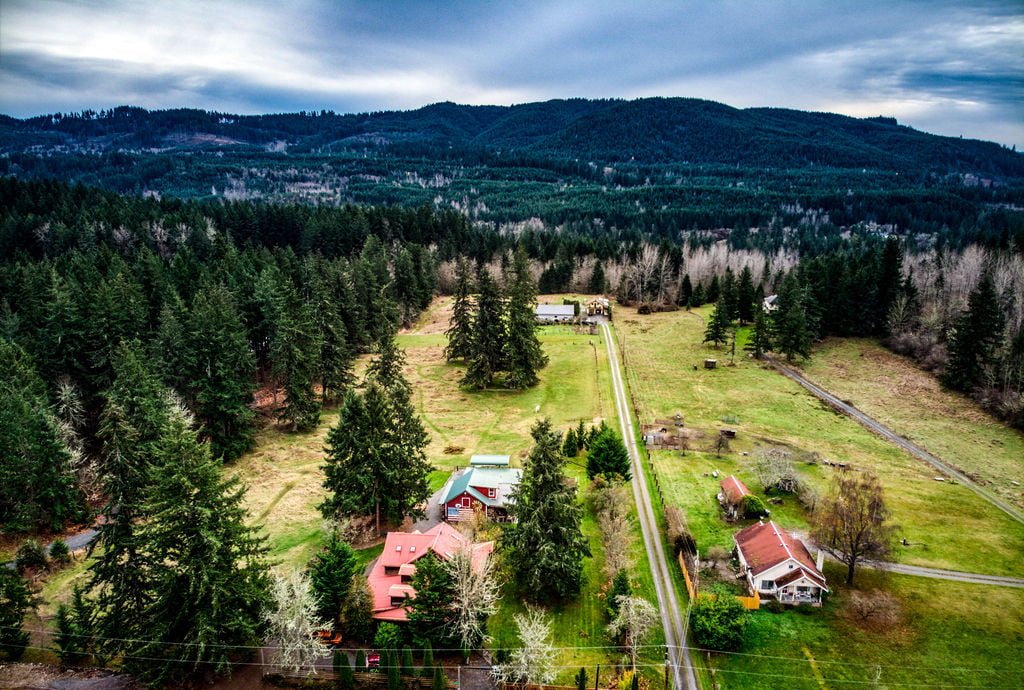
[
  {"x": 745, "y": 297},
  {"x": 598, "y": 284},
  {"x": 69, "y": 640},
  {"x": 331, "y": 572},
  {"x": 408, "y": 668},
  {"x": 460, "y": 330},
  {"x": 37, "y": 488},
  {"x": 718, "y": 622},
  {"x": 621, "y": 587},
  {"x": 571, "y": 443},
  {"x": 545, "y": 548},
  {"x": 581, "y": 679},
  {"x": 754, "y": 507},
  {"x": 357, "y": 611},
  {"x": 430, "y": 612},
  {"x": 717, "y": 330},
  {"x": 635, "y": 685},
  {"x": 389, "y": 638},
  {"x": 30, "y": 556},
  {"x": 427, "y": 670},
  {"x": 488, "y": 339},
  {"x": 793, "y": 330},
  {"x": 208, "y": 573},
  {"x": 375, "y": 456},
  {"x": 440, "y": 680},
  {"x": 394, "y": 671},
  {"x": 975, "y": 339},
  {"x": 346, "y": 680},
  {"x": 729, "y": 295},
  {"x": 15, "y": 601},
  {"x": 760, "y": 340},
  {"x": 208, "y": 361},
  {"x": 60, "y": 554},
  {"x": 523, "y": 354},
  {"x": 607, "y": 456},
  {"x": 889, "y": 282},
  {"x": 360, "y": 660}
]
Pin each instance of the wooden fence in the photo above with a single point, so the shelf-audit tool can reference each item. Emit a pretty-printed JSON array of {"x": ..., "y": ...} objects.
[
  {"x": 326, "y": 679},
  {"x": 750, "y": 603}
]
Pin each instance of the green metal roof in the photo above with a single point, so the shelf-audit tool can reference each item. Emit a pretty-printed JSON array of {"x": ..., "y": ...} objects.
[{"x": 488, "y": 478}]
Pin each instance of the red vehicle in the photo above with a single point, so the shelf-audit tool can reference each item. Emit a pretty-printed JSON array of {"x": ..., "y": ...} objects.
[
  {"x": 329, "y": 637},
  {"x": 373, "y": 660}
]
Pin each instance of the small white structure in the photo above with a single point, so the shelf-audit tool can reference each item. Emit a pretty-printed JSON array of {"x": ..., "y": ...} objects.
[
  {"x": 556, "y": 313},
  {"x": 770, "y": 303},
  {"x": 778, "y": 565}
]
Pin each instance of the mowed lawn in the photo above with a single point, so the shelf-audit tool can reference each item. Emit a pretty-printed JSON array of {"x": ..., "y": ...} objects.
[
  {"x": 947, "y": 525},
  {"x": 950, "y": 634},
  {"x": 909, "y": 400}
]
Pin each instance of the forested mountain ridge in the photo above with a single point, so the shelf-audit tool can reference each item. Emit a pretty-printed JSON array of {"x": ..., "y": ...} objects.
[{"x": 652, "y": 130}]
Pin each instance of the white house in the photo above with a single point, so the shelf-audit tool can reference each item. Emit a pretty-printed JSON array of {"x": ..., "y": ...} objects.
[
  {"x": 556, "y": 313},
  {"x": 778, "y": 565}
]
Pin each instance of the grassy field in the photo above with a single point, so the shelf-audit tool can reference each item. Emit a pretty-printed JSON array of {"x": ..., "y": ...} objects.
[
  {"x": 896, "y": 392},
  {"x": 947, "y": 525},
  {"x": 950, "y": 634}
]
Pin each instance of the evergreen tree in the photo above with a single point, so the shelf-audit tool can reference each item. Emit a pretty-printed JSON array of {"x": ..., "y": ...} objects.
[
  {"x": 686, "y": 291},
  {"x": 69, "y": 643},
  {"x": 440, "y": 681},
  {"x": 343, "y": 669},
  {"x": 745, "y": 297},
  {"x": 717, "y": 331},
  {"x": 408, "y": 669},
  {"x": 331, "y": 572},
  {"x": 976, "y": 339},
  {"x": 760, "y": 336},
  {"x": 699, "y": 296},
  {"x": 545, "y": 547},
  {"x": 376, "y": 463},
  {"x": 295, "y": 353},
  {"x": 713, "y": 291},
  {"x": 393, "y": 670},
  {"x": 431, "y": 615},
  {"x": 523, "y": 353},
  {"x": 335, "y": 356},
  {"x": 581, "y": 679},
  {"x": 571, "y": 444},
  {"x": 792, "y": 333},
  {"x": 486, "y": 359},
  {"x": 607, "y": 456},
  {"x": 598, "y": 282},
  {"x": 427, "y": 670},
  {"x": 460, "y": 329},
  {"x": 208, "y": 569},
  {"x": 729, "y": 295},
  {"x": 621, "y": 587},
  {"x": 15, "y": 601},
  {"x": 889, "y": 281}
]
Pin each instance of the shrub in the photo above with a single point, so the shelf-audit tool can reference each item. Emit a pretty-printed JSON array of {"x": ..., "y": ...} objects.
[
  {"x": 774, "y": 606},
  {"x": 680, "y": 538},
  {"x": 389, "y": 637},
  {"x": 15, "y": 600},
  {"x": 754, "y": 507},
  {"x": 60, "y": 553},
  {"x": 30, "y": 555},
  {"x": 718, "y": 622},
  {"x": 620, "y": 588}
]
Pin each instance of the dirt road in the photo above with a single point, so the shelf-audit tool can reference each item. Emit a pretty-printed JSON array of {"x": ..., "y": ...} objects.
[
  {"x": 890, "y": 435},
  {"x": 671, "y": 619}
]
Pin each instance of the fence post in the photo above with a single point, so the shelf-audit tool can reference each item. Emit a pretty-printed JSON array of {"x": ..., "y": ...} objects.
[{"x": 597, "y": 677}]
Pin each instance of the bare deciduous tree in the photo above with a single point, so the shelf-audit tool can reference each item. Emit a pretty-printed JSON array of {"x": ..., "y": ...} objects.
[
  {"x": 775, "y": 469},
  {"x": 534, "y": 661},
  {"x": 292, "y": 620},
  {"x": 853, "y": 523},
  {"x": 612, "y": 502},
  {"x": 637, "y": 617},
  {"x": 475, "y": 597},
  {"x": 876, "y": 610}
]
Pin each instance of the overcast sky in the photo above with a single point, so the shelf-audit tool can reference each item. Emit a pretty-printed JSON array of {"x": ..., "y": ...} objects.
[{"x": 953, "y": 68}]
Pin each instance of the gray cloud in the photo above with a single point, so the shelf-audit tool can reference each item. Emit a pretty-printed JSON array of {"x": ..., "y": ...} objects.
[{"x": 936, "y": 64}]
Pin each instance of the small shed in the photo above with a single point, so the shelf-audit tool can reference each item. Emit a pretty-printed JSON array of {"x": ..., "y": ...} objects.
[{"x": 710, "y": 363}]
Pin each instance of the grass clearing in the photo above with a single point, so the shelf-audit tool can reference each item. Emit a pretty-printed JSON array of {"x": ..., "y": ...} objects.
[
  {"x": 949, "y": 525},
  {"x": 911, "y": 401}
]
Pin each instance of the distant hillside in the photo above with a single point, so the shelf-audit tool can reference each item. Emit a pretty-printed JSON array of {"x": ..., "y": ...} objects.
[{"x": 653, "y": 131}]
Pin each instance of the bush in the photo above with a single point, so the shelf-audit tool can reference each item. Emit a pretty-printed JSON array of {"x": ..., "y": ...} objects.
[
  {"x": 718, "y": 622},
  {"x": 389, "y": 636},
  {"x": 30, "y": 555},
  {"x": 754, "y": 507},
  {"x": 60, "y": 553},
  {"x": 15, "y": 600},
  {"x": 774, "y": 606}
]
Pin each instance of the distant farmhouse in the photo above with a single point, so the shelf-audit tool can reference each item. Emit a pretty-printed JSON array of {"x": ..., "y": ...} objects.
[
  {"x": 731, "y": 497},
  {"x": 484, "y": 486},
  {"x": 391, "y": 576},
  {"x": 770, "y": 303},
  {"x": 556, "y": 313},
  {"x": 778, "y": 565}
]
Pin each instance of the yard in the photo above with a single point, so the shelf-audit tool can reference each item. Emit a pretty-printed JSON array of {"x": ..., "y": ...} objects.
[{"x": 949, "y": 633}]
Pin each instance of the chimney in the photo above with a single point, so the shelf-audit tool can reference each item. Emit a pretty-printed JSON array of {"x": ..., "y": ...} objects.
[{"x": 821, "y": 559}]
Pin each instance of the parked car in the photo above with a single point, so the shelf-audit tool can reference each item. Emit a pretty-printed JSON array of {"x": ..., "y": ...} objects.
[{"x": 373, "y": 660}]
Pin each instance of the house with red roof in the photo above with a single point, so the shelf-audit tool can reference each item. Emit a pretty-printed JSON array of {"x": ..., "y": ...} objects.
[
  {"x": 778, "y": 565},
  {"x": 731, "y": 496},
  {"x": 391, "y": 575}
]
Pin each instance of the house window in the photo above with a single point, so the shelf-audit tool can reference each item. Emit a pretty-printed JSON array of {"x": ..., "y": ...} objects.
[
  {"x": 398, "y": 601},
  {"x": 768, "y": 584},
  {"x": 391, "y": 570},
  {"x": 465, "y": 501},
  {"x": 803, "y": 590},
  {"x": 492, "y": 493}
]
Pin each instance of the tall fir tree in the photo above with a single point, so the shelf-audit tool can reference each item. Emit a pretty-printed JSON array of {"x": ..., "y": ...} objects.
[
  {"x": 376, "y": 463},
  {"x": 207, "y": 565},
  {"x": 545, "y": 546},
  {"x": 524, "y": 356},
  {"x": 760, "y": 335},
  {"x": 607, "y": 456},
  {"x": 486, "y": 360},
  {"x": 976, "y": 339},
  {"x": 460, "y": 329},
  {"x": 598, "y": 284},
  {"x": 330, "y": 573},
  {"x": 730, "y": 295},
  {"x": 717, "y": 330},
  {"x": 431, "y": 616},
  {"x": 295, "y": 346},
  {"x": 888, "y": 283},
  {"x": 792, "y": 332},
  {"x": 745, "y": 295},
  {"x": 685, "y": 292}
]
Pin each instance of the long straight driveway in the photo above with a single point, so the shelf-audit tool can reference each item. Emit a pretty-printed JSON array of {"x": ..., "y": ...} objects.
[{"x": 679, "y": 658}]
